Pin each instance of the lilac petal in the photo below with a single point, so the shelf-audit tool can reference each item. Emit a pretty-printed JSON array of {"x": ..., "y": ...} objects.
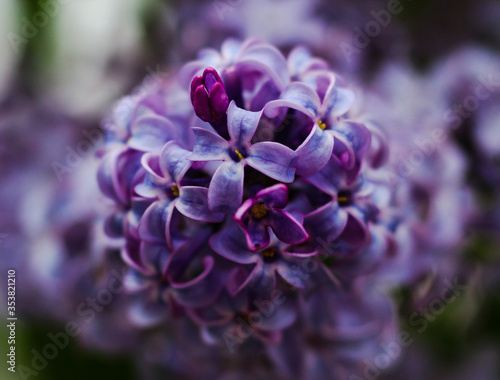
[
  {"x": 151, "y": 132},
  {"x": 356, "y": 232},
  {"x": 231, "y": 244},
  {"x": 226, "y": 188},
  {"x": 208, "y": 146},
  {"x": 293, "y": 274},
  {"x": 138, "y": 207},
  {"x": 286, "y": 228},
  {"x": 228, "y": 305},
  {"x": 242, "y": 124},
  {"x": 355, "y": 138},
  {"x": 237, "y": 279},
  {"x": 257, "y": 235},
  {"x": 130, "y": 254},
  {"x": 144, "y": 313},
  {"x": 338, "y": 101},
  {"x": 113, "y": 225},
  {"x": 371, "y": 258},
  {"x": 379, "y": 150},
  {"x": 300, "y": 60},
  {"x": 274, "y": 160},
  {"x": 274, "y": 196},
  {"x": 240, "y": 214},
  {"x": 298, "y": 96},
  {"x": 314, "y": 153},
  {"x": 154, "y": 257},
  {"x": 153, "y": 222},
  {"x": 265, "y": 58},
  {"x": 154, "y": 183},
  {"x": 174, "y": 161},
  {"x": 107, "y": 177},
  {"x": 134, "y": 281},
  {"x": 280, "y": 318},
  {"x": 331, "y": 178},
  {"x": 263, "y": 92},
  {"x": 262, "y": 279},
  {"x": 327, "y": 223},
  {"x": 200, "y": 291},
  {"x": 193, "y": 203}
]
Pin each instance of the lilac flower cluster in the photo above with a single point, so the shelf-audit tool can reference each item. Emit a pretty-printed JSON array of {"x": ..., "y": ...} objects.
[{"x": 248, "y": 201}]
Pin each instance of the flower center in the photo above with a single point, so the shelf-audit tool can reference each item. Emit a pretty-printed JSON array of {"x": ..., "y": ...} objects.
[
  {"x": 269, "y": 255},
  {"x": 175, "y": 190},
  {"x": 344, "y": 198},
  {"x": 242, "y": 317},
  {"x": 321, "y": 124},
  {"x": 258, "y": 210},
  {"x": 238, "y": 154}
]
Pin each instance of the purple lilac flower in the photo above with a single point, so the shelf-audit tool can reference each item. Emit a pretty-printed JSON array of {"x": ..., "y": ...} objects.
[
  {"x": 257, "y": 215},
  {"x": 225, "y": 192}
]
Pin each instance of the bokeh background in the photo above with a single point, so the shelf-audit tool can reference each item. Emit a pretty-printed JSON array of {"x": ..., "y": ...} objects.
[{"x": 64, "y": 63}]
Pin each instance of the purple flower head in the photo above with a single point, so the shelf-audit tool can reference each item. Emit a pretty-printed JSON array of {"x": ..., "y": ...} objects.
[
  {"x": 257, "y": 215},
  {"x": 240, "y": 196}
]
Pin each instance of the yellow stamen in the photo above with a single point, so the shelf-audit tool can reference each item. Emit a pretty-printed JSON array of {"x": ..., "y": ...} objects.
[
  {"x": 175, "y": 190},
  {"x": 269, "y": 252},
  {"x": 321, "y": 125},
  {"x": 240, "y": 156},
  {"x": 258, "y": 210},
  {"x": 343, "y": 199}
]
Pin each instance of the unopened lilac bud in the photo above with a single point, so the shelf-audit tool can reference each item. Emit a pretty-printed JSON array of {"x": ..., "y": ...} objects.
[{"x": 209, "y": 97}]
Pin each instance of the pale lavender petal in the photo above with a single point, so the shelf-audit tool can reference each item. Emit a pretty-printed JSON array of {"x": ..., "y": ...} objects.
[
  {"x": 193, "y": 203},
  {"x": 331, "y": 178},
  {"x": 298, "y": 96},
  {"x": 226, "y": 188},
  {"x": 151, "y": 132},
  {"x": 107, "y": 177},
  {"x": 242, "y": 124},
  {"x": 300, "y": 60},
  {"x": 293, "y": 274},
  {"x": 174, "y": 161},
  {"x": 355, "y": 137},
  {"x": 274, "y": 160},
  {"x": 265, "y": 58},
  {"x": 208, "y": 146},
  {"x": 281, "y": 318},
  {"x": 153, "y": 222},
  {"x": 338, "y": 101},
  {"x": 314, "y": 153}
]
